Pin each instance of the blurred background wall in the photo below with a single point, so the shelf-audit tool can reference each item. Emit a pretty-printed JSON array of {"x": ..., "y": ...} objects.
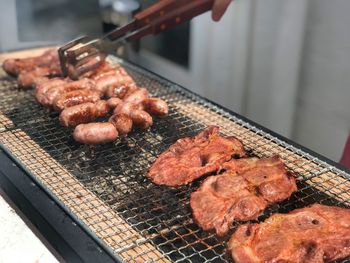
[{"x": 284, "y": 64}]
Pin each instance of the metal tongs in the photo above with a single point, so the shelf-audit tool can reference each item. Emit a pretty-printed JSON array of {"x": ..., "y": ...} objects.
[{"x": 84, "y": 54}]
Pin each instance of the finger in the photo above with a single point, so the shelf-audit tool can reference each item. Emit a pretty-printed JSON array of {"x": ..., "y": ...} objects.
[{"x": 219, "y": 8}]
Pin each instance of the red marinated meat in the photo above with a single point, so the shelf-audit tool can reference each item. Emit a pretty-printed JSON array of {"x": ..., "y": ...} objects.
[
  {"x": 242, "y": 192},
  {"x": 312, "y": 234},
  {"x": 191, "y": 158}
]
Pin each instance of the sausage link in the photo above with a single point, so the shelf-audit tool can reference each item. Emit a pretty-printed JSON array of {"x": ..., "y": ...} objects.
[
  {"x": 104, "y": 69},
  {"x": 26, "y": 79},
  {"x": 18, "y": 65},
  {"x": 77, "y": 114},
  {"x": 40, "y": 80},
  {"x": 120, "y": 88},
  {"x": 52, "y": 94},
  {"x": 126, "y": 108},
  {"x": 113, "y": 102},
  {"x": 106, "y": 84},
  {"x": 122, "y": 122},
  {"x": 95, "y": 133},
  {"x": 42, "y": 87},
  {"x": 141, "y": 118},
  {"x": 155, "y": 106},
  {"x": 137, "y": 96},
  {"x": 83, "y": 113},
  {"x": 75, "y": 97},
  {"x": 10, "y": 66},
  {"x": 83, "y": 83},
  {"x": 102, "y": 108}
]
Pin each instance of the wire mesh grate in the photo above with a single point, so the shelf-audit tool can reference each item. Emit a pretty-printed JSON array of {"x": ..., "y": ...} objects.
[{"x": 105, "y": 186}]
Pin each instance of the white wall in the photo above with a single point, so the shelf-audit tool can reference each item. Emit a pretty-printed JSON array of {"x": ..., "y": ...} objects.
[{"x": 323, "y": 116}]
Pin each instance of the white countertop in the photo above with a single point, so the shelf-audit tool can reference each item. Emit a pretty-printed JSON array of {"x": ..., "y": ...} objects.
[{"x": 17, "y": 242}]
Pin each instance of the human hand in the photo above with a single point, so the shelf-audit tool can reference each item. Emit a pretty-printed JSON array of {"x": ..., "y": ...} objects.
[{"x": 219, "y": 8}]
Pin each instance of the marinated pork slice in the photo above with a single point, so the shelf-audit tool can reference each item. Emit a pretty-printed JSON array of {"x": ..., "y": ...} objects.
[
  {"x": 314, "y": 234},
  {"x": 191, "y": 158},
  {"x": 242, "y": 192}
]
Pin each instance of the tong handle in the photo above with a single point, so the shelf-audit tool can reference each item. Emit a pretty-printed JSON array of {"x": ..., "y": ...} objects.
[
  {"x": 183, "y": 13},
  {"x": 157, "y": 10},
  {"x": 179, "y": 12},
  {"x": 144, "y": 19},
  {"x": 159, "y": 17}
]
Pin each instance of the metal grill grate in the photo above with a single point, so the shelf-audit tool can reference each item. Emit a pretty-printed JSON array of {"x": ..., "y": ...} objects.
[{"x": 105, "y": 186}]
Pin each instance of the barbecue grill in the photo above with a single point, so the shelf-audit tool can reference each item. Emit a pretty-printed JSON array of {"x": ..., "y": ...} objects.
[{"x": 96, "y": 201}]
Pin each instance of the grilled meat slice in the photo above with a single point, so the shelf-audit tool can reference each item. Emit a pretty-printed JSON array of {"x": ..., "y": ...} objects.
[
  {"x": 95, "y": 133},
  {"x": 191, "y": 158},
  {"x": 242, "y": 192},
  {"x": 83, "y": 113},
  {"x": 317, "y": 234}
]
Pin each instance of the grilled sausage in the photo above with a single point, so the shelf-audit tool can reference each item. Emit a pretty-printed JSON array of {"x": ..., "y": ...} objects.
[
  {"x": 15, "y": 66},
  {"x": 43, "y": 86},
  {"x": 141, "y": 118},
  {"x": 40, "y": 80},
  {"x": 56, "y": 91},
  {"x": 102, "y": 108},
  {"x": 53, "y": 93},
  {"x": 26, "y": 79},
  {"x": 104, "y": 69},
  {"x": 83, "y": 83},
  {"x": 126, "y": 108},
  {"x": 75, "y": 97},
  {"x": 107, "y": 83},
  {"x": 155, "y": 106},
  {"x": 137, "y": 96},
  {"x": 10, "y": 66},
  {"x": 121, "y": 91},
  {"x": 113, "y": 102},
  {"x": 83, "y": 113},
  {"x": 95, "y": 133},
  {"x": 122, "y": 122}
]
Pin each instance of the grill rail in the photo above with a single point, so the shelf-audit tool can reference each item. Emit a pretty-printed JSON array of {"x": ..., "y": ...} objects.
[{"x": 105, "y": 187}]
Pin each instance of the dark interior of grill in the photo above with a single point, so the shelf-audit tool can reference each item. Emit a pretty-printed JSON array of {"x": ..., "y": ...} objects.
[{"x": 115, "y": 172}]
